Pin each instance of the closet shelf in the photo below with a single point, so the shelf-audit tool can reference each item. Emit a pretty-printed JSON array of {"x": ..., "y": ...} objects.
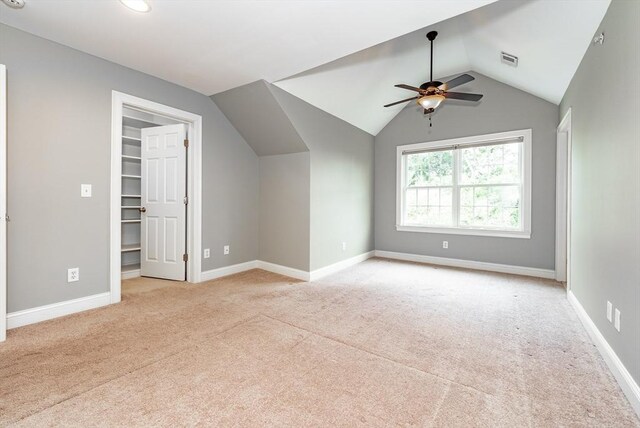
[
  {"x": 131, "y": 221},
  {"x": 131, "y": 196},
  {"x": 131, "y": 267},
  {"x": 135, "y": 122},
  {"x": 131, "y": 157},
  {"x": 130, "y": 207},
  {"x": 130, "y": 176},
  {"x": 134, "y": 139},
  {"x": 131, "y": 247}
]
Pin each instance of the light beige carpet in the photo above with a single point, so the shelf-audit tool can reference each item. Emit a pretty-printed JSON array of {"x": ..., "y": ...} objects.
[{"x": 380, "y": 344}]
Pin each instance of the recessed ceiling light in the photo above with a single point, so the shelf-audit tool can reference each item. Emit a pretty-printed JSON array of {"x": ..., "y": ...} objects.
[
  {"x": 15, "y": 4},
  {"x": 137, "y": 5}
]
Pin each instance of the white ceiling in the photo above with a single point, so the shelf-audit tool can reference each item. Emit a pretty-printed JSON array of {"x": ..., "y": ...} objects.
[
  {"x": 211, "y": 46},
  {"x": 549, "y": 37}
]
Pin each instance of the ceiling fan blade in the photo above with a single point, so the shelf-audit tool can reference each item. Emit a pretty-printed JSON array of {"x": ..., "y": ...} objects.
[
  {"x": 460, "y": 80},
  {"x": 411, "y": 88},
  {"x": 403, "y": 101},
  {"x": 463, "y": 96}
]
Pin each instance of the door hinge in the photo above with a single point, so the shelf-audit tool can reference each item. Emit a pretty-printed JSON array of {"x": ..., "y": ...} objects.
[
  {"x": 185, "y": 200},
  {"x": 186, "y": 143},
  {"x": 185, "y": 257}
]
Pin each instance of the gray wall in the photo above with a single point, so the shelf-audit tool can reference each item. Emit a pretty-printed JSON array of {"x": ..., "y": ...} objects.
[
  {"x": 260, "y": 119},
  {"x": 605, "y": 247},
  {"x": 341, "y": 181},
  {"x": 503, "y": 108},
  {"x": 284, "y": 210},
  {"x": 59, "y": 129},
  {"x": 337, "y": 167}
]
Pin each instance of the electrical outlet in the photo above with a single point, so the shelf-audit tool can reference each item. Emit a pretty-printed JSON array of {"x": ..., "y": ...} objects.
[
  {"x": 609, "y": 311},
  {"x": 344, "y": 246},
  {"x": 616, "y": 322},
  {"x": 85, "y": 190},
  {"x": 73, "y": 274},
  {"x": 226, "y": 250},
  {"x": 207, "y": 253},
  {"x": 445, "y": 244}
]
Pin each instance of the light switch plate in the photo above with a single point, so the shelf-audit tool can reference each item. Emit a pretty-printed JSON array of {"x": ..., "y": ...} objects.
[
  {"x": 85, "y": 190},
  {"x": 616, "y": 322},
  {"x": 207, "y": 253},
  {"x": 609, "y": 311},
  {"x": 226, "y": 250}
]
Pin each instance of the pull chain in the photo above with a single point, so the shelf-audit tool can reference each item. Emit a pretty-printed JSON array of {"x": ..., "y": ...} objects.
[{"x": 430, "y": 124}]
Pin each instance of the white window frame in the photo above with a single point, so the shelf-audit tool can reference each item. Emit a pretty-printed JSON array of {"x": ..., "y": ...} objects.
[{"x": 524, "y": 233}]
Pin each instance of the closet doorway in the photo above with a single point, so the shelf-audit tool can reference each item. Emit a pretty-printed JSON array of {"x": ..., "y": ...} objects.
[{"x": 155, "y": 192}]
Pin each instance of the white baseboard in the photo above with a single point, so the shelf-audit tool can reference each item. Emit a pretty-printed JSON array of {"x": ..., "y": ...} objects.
[
  {"x": 620, "y": 372},
  {"x": 55, "y": 310},
  {"x": 130, "y": 274},
  {"x": 468, "y": 264},
  {"x": 228, "y": 270},
  {"x": 336, "y": 267},
  {"x": 328, "y": 270},
  {"x": 254, "y": 264},
  {"x": 283, "y": 270}
]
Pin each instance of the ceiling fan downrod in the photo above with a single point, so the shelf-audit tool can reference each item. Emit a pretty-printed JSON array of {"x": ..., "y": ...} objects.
[{"x": 431, "y": 35}]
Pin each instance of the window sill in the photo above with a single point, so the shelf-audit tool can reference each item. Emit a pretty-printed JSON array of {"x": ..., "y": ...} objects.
[{"x": 470, "y": 232}]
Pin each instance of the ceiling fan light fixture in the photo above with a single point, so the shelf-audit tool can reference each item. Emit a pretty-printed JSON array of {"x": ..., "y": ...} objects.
[
  {"x": 430, "y": 102},
  {"x": 137, "y": 5}
]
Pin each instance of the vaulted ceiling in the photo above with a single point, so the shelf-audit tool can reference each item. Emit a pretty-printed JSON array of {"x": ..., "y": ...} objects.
[
  {"x": 342, "y": 56},
  {"x": 211, "y": 46},
  {"x": 549, "y": 37}
]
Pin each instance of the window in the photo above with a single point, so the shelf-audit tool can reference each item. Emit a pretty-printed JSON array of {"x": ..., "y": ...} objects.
[{"x": 473, "y": 185}]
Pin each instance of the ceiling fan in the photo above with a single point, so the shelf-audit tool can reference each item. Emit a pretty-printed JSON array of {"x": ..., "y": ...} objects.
[{"x": 431, "y": 94}]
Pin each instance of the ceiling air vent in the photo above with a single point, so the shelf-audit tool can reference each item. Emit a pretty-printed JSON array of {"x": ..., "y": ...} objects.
[{"x": 509, "y": 59}]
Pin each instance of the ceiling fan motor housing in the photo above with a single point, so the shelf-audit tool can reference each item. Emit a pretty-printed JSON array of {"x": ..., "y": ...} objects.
[{"x": 427, "y": 85}]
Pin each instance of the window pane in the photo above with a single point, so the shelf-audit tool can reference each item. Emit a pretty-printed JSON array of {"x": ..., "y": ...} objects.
[
  {"x": 423, "y": 197},
  {"x": 490, "y": 206},
  {"x": 495, "y": 164},
  {"x": 411, "y": 197},
  {"x": 430, "y": 169},
  {"x": 429, "y": 206},
  {"x": 434, "y": 196}
]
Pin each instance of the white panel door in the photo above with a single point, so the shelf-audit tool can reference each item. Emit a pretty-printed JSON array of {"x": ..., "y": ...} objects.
[{"x": 163, "y": 226}]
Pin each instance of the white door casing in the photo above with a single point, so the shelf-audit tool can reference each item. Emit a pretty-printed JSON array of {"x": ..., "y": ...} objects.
[
  {"x": 194, "y": 170},
  {"x": 561, "y": 206},
  {"x": 563, "y": 201},
  {"x": 3, "y": 203},
  {"x": 163, "y": 230}
]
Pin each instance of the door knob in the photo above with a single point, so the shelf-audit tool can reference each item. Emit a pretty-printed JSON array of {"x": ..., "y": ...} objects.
[{"x": 142, "y": 209}]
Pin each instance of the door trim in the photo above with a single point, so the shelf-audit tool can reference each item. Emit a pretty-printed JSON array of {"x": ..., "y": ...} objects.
[
  {"x": 194, "y": 177},
  {"x": 563, "y": 200},
  {"x": 3, "y": 202}
]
